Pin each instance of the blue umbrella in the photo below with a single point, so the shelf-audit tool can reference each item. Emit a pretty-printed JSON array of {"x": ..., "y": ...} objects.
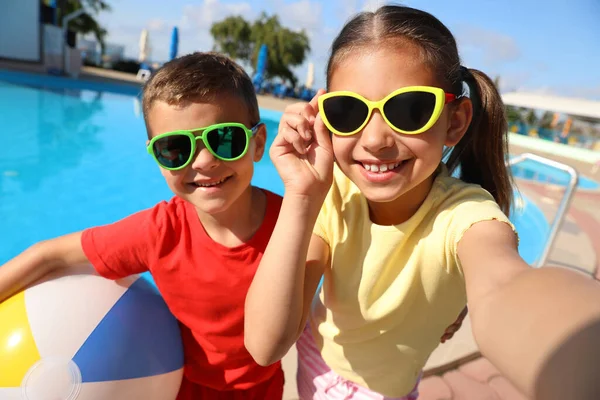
[
  {"x": 261, "y": 62},
  {"x": 261, "y": 67},
  {"x": 174, "y": 43}
]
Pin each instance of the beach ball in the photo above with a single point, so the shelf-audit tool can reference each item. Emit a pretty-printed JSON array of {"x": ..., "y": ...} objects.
[{"x": 78, "y": 336}]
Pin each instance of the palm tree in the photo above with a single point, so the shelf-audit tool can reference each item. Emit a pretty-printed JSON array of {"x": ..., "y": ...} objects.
[{"x": 85, "y": 23}]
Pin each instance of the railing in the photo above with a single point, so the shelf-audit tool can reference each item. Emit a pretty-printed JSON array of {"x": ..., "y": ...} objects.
[{"x": 564, "y": 203}]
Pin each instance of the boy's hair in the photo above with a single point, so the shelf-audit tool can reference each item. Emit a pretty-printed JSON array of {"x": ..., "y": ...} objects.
[
  {"x": 481, "y": 152},
  {"x": 199, "y": 77}
]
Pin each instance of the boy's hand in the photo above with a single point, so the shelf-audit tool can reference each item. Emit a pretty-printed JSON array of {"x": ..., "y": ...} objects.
[{"x": 302, "y": 151}]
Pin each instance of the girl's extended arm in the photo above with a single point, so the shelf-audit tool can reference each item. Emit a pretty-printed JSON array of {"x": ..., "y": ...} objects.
[{"x": 534, "y": 325}]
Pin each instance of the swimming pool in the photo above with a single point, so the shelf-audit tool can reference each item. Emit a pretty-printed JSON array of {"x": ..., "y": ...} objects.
[
  {"x": 532, "y": 170},
  {"x": 72, "y": 158}
]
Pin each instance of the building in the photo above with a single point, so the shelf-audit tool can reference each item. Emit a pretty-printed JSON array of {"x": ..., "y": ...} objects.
[
  {"x": 21, "y": 31},
  {"x": 30, "y": 39}
]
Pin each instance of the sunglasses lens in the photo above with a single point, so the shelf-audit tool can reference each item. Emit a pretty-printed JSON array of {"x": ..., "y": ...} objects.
[
  {"x": 228, "y": 142},
  {"x": 410, "y": 111},
  {"x": 344, "y": 113},
  {"x": 172, "y": 151}
]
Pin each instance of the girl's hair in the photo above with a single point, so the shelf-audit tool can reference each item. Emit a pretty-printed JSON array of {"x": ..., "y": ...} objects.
[{"x": 480, "y": 155}]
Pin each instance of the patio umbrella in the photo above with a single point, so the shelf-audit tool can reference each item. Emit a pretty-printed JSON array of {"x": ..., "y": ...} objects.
[
  {"x": 261, "y": 61},
  {"x": 144, "y": 46},
  {"x": 310, "y": 76},
  {"x": 261, "y": 67},
  {"x": 174, "y": 43}
]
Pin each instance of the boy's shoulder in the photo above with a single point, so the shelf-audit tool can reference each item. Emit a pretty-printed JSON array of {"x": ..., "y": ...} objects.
[
  {"x": 165, "y": 213},
  {"x": 273, "y": 206},
  {"x": 273, "y": 200},
  {"x": 174, "y": 205}
]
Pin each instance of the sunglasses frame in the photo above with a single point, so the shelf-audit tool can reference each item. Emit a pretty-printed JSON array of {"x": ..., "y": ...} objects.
[
  {"x": 192, "y": 134},
  {"x": 441, "y": 99}
]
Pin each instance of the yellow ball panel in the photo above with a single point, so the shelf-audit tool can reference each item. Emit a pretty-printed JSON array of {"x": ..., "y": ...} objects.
[{"x": 18, "y": 351}]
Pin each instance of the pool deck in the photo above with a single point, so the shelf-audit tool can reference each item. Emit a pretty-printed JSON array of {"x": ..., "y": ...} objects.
[{"x": 456, "y": 370}]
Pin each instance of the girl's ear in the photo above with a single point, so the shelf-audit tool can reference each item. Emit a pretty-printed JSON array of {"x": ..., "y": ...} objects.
[{"x": 460, "y": 120}]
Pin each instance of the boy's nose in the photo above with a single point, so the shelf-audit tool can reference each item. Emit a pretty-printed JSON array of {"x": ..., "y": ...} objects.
[{"x": 204, "y": 160}]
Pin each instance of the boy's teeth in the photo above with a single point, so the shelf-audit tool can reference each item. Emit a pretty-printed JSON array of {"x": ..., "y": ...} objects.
[
  {"x": 211, "y": 184},
  {"x": 381, "y": 167}
]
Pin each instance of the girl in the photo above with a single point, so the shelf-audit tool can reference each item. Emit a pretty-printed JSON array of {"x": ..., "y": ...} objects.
[{"x": 401, "y": 244}]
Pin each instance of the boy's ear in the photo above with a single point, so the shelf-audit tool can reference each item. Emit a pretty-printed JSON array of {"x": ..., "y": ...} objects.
[
  {"x": 460, "y": 120},
  {"x": 260, "y": 141}
]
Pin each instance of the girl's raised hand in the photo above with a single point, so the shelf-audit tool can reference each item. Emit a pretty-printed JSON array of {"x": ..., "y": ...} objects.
[{"x": 302, "y": 151}]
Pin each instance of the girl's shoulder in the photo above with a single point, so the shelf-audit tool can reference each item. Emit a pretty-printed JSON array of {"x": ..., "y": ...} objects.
[{"x": 450, "y": 191}]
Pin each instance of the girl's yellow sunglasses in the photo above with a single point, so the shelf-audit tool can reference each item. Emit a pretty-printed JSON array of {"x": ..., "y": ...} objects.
[{"x": 410, "y": 110}]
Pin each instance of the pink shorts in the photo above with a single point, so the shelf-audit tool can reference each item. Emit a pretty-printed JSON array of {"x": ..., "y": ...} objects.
[{"x": 316, "y": 381}]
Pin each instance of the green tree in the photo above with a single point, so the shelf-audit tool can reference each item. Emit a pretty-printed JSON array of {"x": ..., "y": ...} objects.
[
  {"x": 530, "y": 118},
  {"x": 233, "y": 37},
  {"x": 85, "y": 23},
  {"x": 241, "y": 40},
  {"x": 514, "y": 115}
]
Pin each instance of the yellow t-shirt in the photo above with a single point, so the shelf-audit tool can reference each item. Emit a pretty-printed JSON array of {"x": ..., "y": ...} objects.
[{"x": 392, "y": 290}]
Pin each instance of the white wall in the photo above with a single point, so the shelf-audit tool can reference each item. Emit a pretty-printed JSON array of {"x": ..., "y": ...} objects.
[{"x": 20, "y": 30}]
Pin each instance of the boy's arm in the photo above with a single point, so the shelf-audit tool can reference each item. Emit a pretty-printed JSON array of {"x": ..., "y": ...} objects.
[
  {"x": 38, "y": 260},
  {"x": 279, "y": 298},
  {"x": 115, "y": 250},
  {"x": 528, "y": 321}
]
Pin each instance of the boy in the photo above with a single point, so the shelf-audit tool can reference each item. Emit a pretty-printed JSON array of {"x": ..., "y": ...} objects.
[{"x": 204, "y": 245}]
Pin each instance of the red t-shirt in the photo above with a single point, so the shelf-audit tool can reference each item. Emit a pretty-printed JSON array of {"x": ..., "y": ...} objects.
[{"x": 203, "y": 283}]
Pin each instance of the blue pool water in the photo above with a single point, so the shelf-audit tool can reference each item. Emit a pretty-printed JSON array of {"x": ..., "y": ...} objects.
[
  {"x": 71, "y": 158},
  {"x": 532, "y": 170}
]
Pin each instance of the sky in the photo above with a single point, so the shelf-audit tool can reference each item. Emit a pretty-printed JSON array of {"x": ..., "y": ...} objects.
[{"x": 550, "y": 46}]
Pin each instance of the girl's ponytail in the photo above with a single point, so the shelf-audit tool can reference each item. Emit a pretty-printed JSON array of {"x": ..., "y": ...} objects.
[{"x": 481, "y": 154}]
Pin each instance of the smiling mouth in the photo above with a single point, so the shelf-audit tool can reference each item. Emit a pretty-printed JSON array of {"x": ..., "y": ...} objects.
[
  {"x": 210, "y": 184},
  {"x": 380, "y": 168}
]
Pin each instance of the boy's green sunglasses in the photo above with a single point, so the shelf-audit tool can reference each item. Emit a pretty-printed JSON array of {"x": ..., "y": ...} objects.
[{"x": 227, "y": 141}]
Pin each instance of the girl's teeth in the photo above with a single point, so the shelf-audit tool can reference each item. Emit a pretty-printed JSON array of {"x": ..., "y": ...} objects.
[{"x": 381, "y": 168}]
